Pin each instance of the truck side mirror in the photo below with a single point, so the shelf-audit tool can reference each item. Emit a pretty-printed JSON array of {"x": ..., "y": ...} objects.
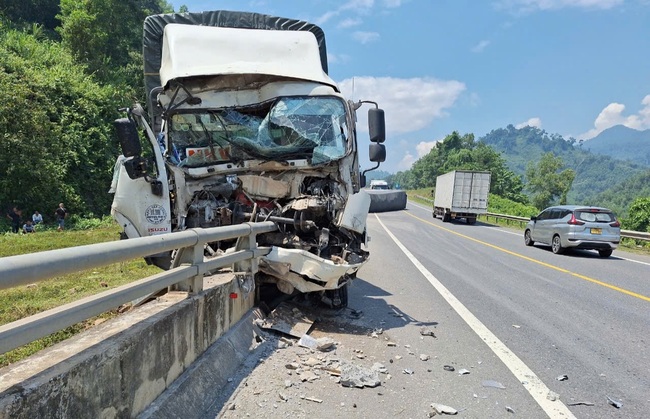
[
  {"x": 377, "y": 153},
  {"x": 127, "y": 134},
  {"x": 363, "y": 181},
  {"x": 377, "y": 125}
]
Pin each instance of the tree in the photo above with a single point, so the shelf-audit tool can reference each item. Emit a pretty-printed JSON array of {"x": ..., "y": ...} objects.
[
  {"x": 546, "y": 183},
  {"x": 56, "y": 135},
  {"x": 639, "y": 219},
  {"x": 106, "y": 36}
]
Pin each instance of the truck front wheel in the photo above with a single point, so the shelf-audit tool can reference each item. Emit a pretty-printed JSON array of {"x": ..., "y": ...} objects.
[{"x": 339, "y": 296}]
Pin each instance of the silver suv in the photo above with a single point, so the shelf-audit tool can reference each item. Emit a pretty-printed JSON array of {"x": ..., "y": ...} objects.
[{"x": 577, "y": 227}]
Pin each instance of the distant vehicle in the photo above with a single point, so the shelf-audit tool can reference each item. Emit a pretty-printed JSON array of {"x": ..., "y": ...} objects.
[
  {"x": 379, "y": 184},
  {"x": 575, "y": 227},
  {"x": 461, "y": 194}
]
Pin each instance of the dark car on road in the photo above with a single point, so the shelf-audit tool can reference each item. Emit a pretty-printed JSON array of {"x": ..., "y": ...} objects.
[{"x": 575, "y": 227}]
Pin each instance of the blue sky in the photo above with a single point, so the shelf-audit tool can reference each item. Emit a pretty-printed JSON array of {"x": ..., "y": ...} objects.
[{"x": 572, "y": 67}]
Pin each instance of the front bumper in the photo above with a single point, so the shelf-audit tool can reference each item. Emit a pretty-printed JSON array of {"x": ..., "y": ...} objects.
[{"x": 295, "y": 266}]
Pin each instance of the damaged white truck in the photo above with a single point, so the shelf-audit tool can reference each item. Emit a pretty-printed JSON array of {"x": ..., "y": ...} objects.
[{"x": 243, "y": 124}]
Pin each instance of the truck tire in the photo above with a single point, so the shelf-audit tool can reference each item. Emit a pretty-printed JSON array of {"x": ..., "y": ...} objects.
[
  {"x": 386, "y": 200},
  {"x": 471, "y": 220},
  {"x": 446, "y": 217},
  {"x": 339, "y": 297}
]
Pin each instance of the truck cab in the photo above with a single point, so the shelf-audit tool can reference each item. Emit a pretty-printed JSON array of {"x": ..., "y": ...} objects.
[{"x": 245, "y": 125}]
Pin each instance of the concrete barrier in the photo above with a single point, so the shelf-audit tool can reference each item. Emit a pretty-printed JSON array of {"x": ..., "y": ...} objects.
[
  {"x": 118, "y": 368},
  {"x": 382, "y": 200}
]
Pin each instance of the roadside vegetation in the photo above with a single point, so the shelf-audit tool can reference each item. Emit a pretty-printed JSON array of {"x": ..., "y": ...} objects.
[{"x": 20, "y": 302}]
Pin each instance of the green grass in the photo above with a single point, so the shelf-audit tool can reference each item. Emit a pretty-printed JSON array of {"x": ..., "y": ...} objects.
[{"x": 20, "y": 302}]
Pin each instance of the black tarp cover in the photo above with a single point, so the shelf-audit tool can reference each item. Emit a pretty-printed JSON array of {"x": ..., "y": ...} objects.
[{"x": 154, "y": 26}]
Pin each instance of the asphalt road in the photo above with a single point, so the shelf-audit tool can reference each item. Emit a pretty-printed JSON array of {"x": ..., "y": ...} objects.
[{"x": 507, "y": 313}]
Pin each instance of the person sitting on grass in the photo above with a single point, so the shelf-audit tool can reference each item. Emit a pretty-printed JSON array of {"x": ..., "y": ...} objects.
[{"x": 28, "y": 227}]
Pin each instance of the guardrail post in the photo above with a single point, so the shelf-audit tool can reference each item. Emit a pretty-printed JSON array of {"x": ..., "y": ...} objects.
[
  {"x": 190, "y": 256},
  {"x": 246, "y": 270}
]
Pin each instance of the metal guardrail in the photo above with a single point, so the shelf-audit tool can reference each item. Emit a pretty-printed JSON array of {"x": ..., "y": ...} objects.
[
  {"x": 628, "y": 234},
  {"x": 35, "y": 267}
]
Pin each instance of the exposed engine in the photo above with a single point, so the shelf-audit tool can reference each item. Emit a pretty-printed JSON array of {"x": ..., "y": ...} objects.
[{"x": 307, "y": 222}]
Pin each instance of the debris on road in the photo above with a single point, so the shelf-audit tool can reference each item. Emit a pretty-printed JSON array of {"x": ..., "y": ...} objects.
[
  {"x": 441, "y": 409},
  {"x": 580, "y": 403},
  {"x": 407, "y": 371},
  {"x": 427, "y": 332},
  {"x": 614, "y": 403},
  {"x": 355, "y": 376},
  {"x": 563, "y": 377},
  {"x": 493, "y": 384},
  {"x": 552, "y": 396},
  {"x": 510, "y": 409},
  {"x": 449, "y": 368},
  {"x": 463, "y": 371},
  {"x": 287, "y": 319},
  {"x": 424, "y": 357},
  {"x": 292, "y": 366}
]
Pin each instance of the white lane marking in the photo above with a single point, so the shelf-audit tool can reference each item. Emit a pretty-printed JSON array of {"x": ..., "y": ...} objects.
[
  {"x": 500, "y": 230},
  {"x": 537, "y": 389},
  {"x": 632, "y": 260}
]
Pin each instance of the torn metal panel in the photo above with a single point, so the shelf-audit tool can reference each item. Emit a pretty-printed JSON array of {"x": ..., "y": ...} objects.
[
  {"x": 261, "y": 187},
  {"x": 288, "y": 319}
]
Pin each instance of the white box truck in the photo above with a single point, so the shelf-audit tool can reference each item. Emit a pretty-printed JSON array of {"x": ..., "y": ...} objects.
[
  {"x": 244, "y": 125},
  {"x": 461, "y": 194}
]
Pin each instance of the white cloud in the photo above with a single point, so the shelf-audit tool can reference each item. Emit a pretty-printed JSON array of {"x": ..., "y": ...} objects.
[
  {"x": 529, "y": 6},
  {"x": 360, "y": 7},
  {"x": 424, "y": 147},
  {"x": 365, "y": 37},
  {"x": 410, "y": 104},
  {"x": 337, "y": 58},
  {"x": 406, "y": 162},
  {"x": 612, "y": 115},
  {"x": 348, "y": 23},
  {"x": 480, "y": 46},
  {"x": 532, "y": 122}
]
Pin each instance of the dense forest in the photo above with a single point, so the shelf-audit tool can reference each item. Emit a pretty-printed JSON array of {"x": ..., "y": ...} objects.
[{"x": 66, "y": 67}]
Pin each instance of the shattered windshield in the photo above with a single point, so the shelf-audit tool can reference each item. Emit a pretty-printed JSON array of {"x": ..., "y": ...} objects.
[{"x": 312, "y": 128}]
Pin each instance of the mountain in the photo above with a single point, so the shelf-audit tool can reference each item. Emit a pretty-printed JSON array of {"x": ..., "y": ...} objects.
[
  {"x": 622, "y": 143},
  {"x": 597, "y": 176}
]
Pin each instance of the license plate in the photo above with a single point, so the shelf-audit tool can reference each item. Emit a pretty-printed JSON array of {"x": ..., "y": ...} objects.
[{"x": 596, "y": 231}]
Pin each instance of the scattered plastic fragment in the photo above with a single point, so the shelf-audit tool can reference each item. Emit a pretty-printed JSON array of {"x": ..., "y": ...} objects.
[
  {"x": 307, "y": 341},
  {"x": 563, "y": 377},
  {"x": 463, "y": 371},
  {"x": 580, "y": 403},
  {"x": 516, "y": 326},
  {"x": 424, "y": 357},
  {"x": 510, "y": 409},
  {"x": 407, "y": 371},
  {"x": 493, "y": 383},
  {"x": 449, "y": 368},
  {"x": 427, "y": 332},
  {"x": 614, "y": 403},
  {"x": 442, "y": 409},
  {"x": 313, "y": 399}
]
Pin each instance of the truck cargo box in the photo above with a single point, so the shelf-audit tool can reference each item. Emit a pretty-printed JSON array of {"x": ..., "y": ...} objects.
[{"x": 461, "y": 194}]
